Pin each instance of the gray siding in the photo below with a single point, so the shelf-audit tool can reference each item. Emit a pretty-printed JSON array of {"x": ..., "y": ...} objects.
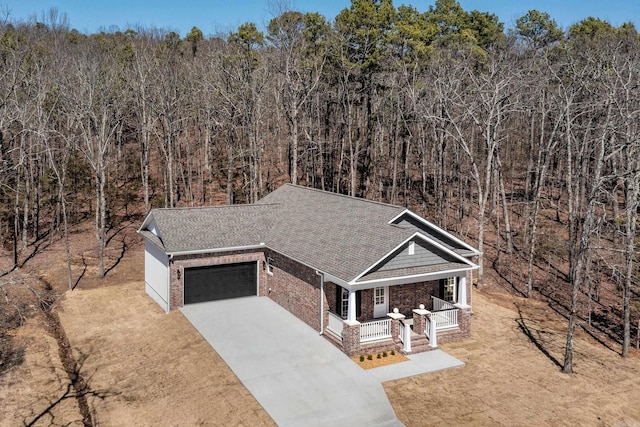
[{"x": 423, "y": 255}]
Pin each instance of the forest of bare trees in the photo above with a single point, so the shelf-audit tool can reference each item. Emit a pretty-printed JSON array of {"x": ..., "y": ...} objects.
[{"x": 525, "y": 139}]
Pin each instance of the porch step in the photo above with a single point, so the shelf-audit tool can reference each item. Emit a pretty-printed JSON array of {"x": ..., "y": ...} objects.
[{"x": 419, "y": 344}]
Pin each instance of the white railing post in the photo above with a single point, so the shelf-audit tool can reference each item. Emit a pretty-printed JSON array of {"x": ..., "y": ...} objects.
[{"x": 406, "y": 339}]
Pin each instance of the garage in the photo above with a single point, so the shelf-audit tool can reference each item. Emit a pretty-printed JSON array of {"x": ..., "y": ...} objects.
[{"x": 217, "y": 282}]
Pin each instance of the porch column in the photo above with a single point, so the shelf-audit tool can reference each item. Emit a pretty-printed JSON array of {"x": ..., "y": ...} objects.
[
  {"x": 396, "y": 318},
  {"x": 419, "y": 320},
  {"x": 351, "y": 311},
  {"x": 351, "y": 337},
  {"x": 462, "y": 292}
]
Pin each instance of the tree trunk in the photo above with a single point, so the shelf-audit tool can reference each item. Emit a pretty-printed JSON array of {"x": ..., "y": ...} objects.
[{"x": 631, "y": 207}]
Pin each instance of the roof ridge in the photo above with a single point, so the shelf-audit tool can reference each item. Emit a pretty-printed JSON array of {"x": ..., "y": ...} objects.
[
  {"x": 189, "y": 208},
  {"x": 359, "y": 199}
]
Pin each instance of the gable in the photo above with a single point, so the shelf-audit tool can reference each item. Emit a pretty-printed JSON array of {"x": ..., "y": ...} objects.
[
  {"x": 411, "y": 221},
  {"x": 423, "y": 255},
  {"x": 417, "y": 258}
]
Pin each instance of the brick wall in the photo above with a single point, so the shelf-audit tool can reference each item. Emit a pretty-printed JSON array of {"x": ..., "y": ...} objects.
[
  {"x": 404, "y": 297},
  {"x": 366, "y": 305},
  {"x": 296, "y": 287},
  {"x": 409, "y": 297},
  {"x": 179, "y": 263},
  {"x": 463, "y": 331},
  {"x": 330, "y": 293}
]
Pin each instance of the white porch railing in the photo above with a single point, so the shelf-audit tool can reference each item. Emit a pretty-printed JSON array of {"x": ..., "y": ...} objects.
[
  {"x": 405, "y": 336},
  {"x": 440, "y": 304},
  {"x": 376, "y": 330},
  {"x": 335, "y": 324},
  {"x": 445, "y": 319},
  {"x": 427, "y": 326}
]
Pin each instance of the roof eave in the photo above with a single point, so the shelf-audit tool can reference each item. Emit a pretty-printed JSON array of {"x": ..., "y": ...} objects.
[
  {"x": 402, "y": 280},
  {"x": 260, "y": 245}
]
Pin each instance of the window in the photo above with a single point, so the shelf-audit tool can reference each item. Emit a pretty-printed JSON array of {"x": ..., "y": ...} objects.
[
  {"x": 344, "y": 303},
  {"x": 378, "y": 296},
  {"x": 412, "y": 248},
  {"x": 269, "y": 265},
  {"x": 449, "y": 289}
]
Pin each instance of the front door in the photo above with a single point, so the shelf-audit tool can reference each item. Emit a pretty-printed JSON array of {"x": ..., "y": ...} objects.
[{"x": 380, "y": 302}]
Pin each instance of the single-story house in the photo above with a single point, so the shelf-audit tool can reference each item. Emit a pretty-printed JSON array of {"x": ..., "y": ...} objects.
[{"x": 364, "y": 274}]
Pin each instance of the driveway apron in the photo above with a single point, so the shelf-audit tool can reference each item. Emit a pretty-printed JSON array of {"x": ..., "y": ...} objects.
[{"x": 295, "y": 374}]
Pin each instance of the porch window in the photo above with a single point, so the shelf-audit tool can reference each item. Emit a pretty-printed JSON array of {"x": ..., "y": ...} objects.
[
  {"x": 449, "y": 289},
  {"x": 344, "y": 303}
]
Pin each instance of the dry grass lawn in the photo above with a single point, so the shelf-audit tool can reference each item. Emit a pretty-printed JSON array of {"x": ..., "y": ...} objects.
[{"x": 508, "y": 379}]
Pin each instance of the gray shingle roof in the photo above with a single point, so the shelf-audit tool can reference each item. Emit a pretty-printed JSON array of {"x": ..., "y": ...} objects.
[
  {"x": 339, "y": 235},
  {"x": 200, "y": 229}
]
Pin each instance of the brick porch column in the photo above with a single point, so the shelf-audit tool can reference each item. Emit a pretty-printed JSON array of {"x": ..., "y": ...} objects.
[
  {"x": 395, "y": 325},
  {"x": 351, "y": 337},
  {"x": 419, "y": 320}
]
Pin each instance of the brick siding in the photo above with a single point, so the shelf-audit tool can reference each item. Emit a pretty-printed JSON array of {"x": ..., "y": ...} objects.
[
  {"x": 406, "y": 298},
  {"x": 463, "y": 331},
  {"x": 180, "y": 263},
  {"x": 296, "y": 287}
]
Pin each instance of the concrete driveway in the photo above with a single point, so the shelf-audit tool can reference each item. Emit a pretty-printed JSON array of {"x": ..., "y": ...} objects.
[{"x": 295, "y": 374}]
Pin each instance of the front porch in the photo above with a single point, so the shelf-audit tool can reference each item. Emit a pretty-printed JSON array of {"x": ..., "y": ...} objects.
[{"x": 419, "y": 332}]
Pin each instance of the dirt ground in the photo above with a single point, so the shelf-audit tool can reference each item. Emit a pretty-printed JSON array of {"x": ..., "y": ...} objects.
[
  {"x": 378, "y": 359},
  {"x": 144, "y": 367},
  {"x": 512, "y": 375}
]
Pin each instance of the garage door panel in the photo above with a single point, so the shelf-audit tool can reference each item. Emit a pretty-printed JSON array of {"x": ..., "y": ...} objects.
[{"x": 218, "y": 282}]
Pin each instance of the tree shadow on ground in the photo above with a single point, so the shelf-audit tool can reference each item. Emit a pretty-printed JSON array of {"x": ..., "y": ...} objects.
[
  {"x": 535, "y": 336},
  {"x": 77, "y": 388},
  {"x": 37, "y": 247},
  {"x": 123, "y": 249},
  {"x": 84, "y": 271}
]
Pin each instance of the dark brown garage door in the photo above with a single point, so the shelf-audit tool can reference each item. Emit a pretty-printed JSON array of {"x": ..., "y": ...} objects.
[{"x": 220, "y": 282}]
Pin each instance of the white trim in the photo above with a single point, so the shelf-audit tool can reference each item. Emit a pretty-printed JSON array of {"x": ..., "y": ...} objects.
[
  {"x": 436, "y": 228},
  {"x": 145, "y": 222},
  {"x": 154, "y": 244},
  {"x": 334, "y": 279},
  {"x": 414, "y": 235},
  {"x": 213, "y": 251},
  {"x": 401, "y": 280}
]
